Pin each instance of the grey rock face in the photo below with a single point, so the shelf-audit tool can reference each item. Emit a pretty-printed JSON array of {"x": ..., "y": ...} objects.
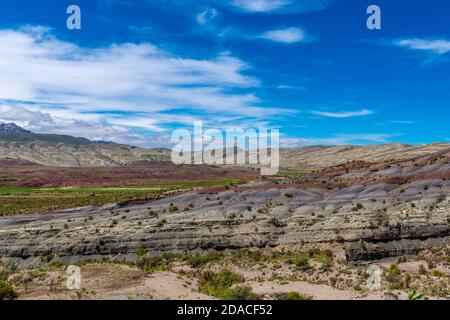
[
  {"x": 230, "y": 220},
  {"x": 59, "y": 154}
]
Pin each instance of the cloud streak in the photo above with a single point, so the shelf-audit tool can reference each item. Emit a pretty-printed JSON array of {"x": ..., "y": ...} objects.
[
  {"x": 283, "y": 6},
  {"x": 288, "y": 35},
  {"x": 439, "y": 47},
  {"x": 343, "y": 114},
  {"x": 118, "y": 82},
  {"x": 206, "y": 16}
]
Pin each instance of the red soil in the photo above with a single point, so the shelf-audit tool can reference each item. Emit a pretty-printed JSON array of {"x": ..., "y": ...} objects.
[{"x": 26, "y": 174}]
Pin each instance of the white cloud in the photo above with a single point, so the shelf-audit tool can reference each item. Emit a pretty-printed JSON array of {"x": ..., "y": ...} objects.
[
  {"x": 402, "y": 121},
  {"x": 122, "y": 77},
  {"x": 436, "y": 46},
  {"x": 66, "y": 83},
  {"x": 206, "y": 15},
  {"x": 289, "y": 87},
  {"x": 260, "y": 5},
  {"x": 289, "y": 35},
  {"x": 287, "y": 6},
  {"x": 109, "y": 77},
  {"x": 90, "y": 126},
  {"x": 344, "y": 114}
]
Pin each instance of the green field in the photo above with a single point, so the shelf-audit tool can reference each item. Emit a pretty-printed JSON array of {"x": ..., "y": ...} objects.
[{"x": 40, "y": 200}]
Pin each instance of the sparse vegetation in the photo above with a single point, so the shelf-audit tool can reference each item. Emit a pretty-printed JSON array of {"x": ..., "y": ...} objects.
[
  {"x": 294, "y": 296},
  {"x": 199, "y": 260},
  {"x": 7, "y": 292},
  {"x": 221, "y": 285}
]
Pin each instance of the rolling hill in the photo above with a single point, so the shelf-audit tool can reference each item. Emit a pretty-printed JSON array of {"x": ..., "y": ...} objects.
[{"x": 62, "y": 150}]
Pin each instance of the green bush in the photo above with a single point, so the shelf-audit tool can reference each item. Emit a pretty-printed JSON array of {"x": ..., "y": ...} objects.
[
  {"x": 293, "y": 296},
  {"x": 394, "y": 277},
  {"x": 151, "y": 264},
  {"x": 239, "y": 293},
  {"x": 199, "y": 260},
  {"x": 301, "y": 259},
  {"x": 302, "y": 262},
  {"x": 325, "y": 258},
  {"x": 413, "y": 295},
  {"x": 217, "y": 284},
  {"x": 7, "y": 292}
]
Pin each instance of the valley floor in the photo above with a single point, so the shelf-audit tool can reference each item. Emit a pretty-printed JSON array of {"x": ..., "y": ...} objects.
[
  {"x": 307, "y": 274},
  {"x": 302, "y": 235}
]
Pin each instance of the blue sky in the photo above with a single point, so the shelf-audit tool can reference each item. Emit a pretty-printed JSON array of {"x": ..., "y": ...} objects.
[{"x": 139, "y": 69}]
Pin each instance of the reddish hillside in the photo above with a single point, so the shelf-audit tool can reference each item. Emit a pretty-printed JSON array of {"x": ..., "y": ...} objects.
[{"x": 15, "y": 173}]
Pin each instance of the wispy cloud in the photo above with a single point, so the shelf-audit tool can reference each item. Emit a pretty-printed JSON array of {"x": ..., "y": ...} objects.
[
  {"x": 87, "y": 125},
  {"x": 343, "y": 114},
  {"x": 206, "y": 16},
  {"x": 439, "y": 47},
  {"x": 108, "y": 77},
  {"x": 260, "y": 5},
  {"x": 287, "y": 6},
  {"x": 288, "y": 35},
  {"x": 291, "y": 87},
  {"x": 73, "y": 82},
  {"x": 402, "y": 121}
]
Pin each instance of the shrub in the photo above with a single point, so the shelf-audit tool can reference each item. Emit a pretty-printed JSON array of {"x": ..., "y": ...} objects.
[
  {"x": 161, "y": 223},
  {"x": 151, "y": 264},
  {"x": 422, "y": 270},
  {"x": 217, "y": 284},
  {"x": 413, "y": 295},
  {"x": 293, "y": 296},
  {"x": 239, "y": 293},
  {"x": 437, "y": 273},
  {"x": 325, "y": 258},
  {"x": 301, "y": 262},
  {"x": 141, "y": 251},
  {"x": 199, "y": 260},
  {"x": 7, "y": 292},
  {"x": 394, "y": 277}
]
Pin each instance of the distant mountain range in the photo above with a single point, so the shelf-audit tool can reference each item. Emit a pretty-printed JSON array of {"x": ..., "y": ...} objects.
[
  {"x": 10, "y": 128},
  {"x": 64, "y": 150},
  {"x": 12, "y": 132}
]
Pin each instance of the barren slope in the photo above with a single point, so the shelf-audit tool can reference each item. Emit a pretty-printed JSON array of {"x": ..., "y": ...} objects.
[
  {"x": 70, "y": 155},
  {"x": 392, "y": 215},
  {"x": 323, "y": 157}
]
